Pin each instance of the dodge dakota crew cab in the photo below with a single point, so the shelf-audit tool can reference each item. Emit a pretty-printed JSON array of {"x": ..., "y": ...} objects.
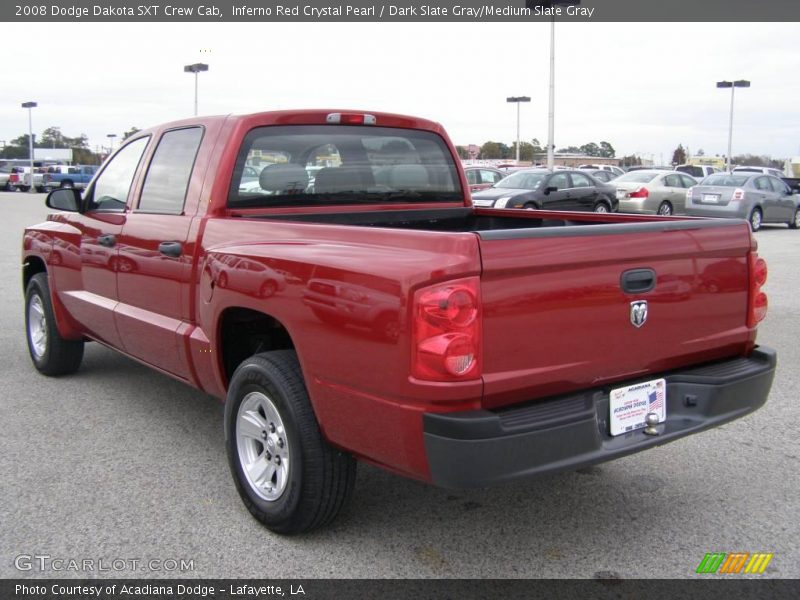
[{"x": 354, "y": 305}]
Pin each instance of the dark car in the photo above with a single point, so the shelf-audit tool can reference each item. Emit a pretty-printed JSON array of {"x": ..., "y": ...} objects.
[
  {"x": 480, "y": 178},
  {"x": 543, "y": 189},
  {"x": 603, "y": 175}
]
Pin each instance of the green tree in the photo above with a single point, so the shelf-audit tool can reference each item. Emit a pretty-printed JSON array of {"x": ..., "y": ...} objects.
[
  {"x": 679, "y": 156},
  {"x": 607, "y": 150},
  {"x": 135, "y": 129},
  {"x": 590, "y": 149},
  {"x": 570, "y": 150},
  {"x": 492, "y": 150}
]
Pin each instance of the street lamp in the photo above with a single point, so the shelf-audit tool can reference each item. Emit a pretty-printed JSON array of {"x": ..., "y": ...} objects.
[
  {"x": 29, "y": 106},
  {"x": 742, "y": 83},
  {"x": 195, "y": 68},
  {"x": 518, "y": 99},
  {"x": 552, "y": 98},
  {"x": 111, "y": 137}
]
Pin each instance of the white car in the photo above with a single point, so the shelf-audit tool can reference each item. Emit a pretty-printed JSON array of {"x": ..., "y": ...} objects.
[
  {"x": 763, "y": 170},
  {"x": 616, "y": 170},
  {"x": 699, "y": 172}
]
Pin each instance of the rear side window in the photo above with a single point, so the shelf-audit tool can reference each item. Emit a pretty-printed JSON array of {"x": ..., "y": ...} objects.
[
  {"x": 168, "y": 176},
  {"x": 579, "y": 180},
  {"x": 311, "y": 165}
]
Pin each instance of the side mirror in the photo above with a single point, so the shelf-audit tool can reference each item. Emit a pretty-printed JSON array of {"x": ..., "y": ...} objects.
[
  {"x": 549, "y": 189},
  {"x": 68, "y": 199}
]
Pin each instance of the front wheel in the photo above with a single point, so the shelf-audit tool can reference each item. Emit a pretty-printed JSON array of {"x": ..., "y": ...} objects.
[
  {"x": 795, "y": 222},
  {"x": 287, "y": 475},
  {"x": 51, "y": 354},
  {"x": 755, "y": 219}
]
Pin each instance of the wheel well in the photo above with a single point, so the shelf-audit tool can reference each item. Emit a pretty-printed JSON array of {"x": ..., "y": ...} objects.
[
  {"x": 244, "y": 332},
  {"x": 31, "y": 267}
]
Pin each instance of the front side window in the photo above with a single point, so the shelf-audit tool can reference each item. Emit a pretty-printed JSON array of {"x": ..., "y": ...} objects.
[
  {"x": 560, "y": 181},
  {"x": 522, "y": 180},
  {"x": 310, "y": 165},
  {"x": 111, "y": 189},
  {"x": 167, "y": 179}
]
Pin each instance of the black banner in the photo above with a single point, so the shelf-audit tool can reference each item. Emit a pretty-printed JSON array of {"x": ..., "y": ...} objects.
[
  {"x": 390, "y": 589},
  {"x": 254, "y": 11}
]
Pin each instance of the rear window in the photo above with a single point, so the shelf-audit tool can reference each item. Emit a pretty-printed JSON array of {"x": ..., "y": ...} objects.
[
  {"x": 312, "y": 165},
  {"x": 726, "y": 180},
  {"x": 637, "y": 177}
]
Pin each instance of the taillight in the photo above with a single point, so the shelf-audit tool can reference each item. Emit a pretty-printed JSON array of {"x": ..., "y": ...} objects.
[
  {"x": 446, "y": 343},
  {"x": 738, "y": 194},
  {"x": 757, "y": 300},
  {"x": 642, "y": 192},
  {"x": 689, "y": 194}
]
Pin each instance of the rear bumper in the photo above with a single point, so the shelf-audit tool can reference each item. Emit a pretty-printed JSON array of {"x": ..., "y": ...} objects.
[{"x": 483, "y": 448}]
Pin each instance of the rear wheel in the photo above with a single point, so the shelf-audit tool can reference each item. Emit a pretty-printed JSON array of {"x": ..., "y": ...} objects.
[
  {"x": 287, "y": 475},
  {"x": 795, "y": 222},
  {"x": 665, "y": 210},
  {"x": 529, "y": 206},
  {"x": 755, "y": 219},
  {"x": 601, "y": 207},
  {"x": 51, "y": 354}
]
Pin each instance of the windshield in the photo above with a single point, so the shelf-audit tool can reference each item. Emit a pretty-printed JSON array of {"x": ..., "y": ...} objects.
[
  {"x": 637, "y": 177},
  {"x": 309, "y": 165},
  {"x": 726, "y": 180},
  {"x": 522, "y": 181}
]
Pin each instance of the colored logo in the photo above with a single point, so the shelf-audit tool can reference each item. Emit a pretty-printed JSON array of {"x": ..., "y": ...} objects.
[{"x": 734, "y": 563}]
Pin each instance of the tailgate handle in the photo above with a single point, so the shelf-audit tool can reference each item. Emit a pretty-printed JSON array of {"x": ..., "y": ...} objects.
[{"x": 638, "y": 281}]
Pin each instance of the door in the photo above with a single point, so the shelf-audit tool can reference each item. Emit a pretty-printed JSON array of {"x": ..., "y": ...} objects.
[
  {"x": 768, "y": 199},
  {"x": 92, "y": 299},
  {"x": 560, "y": 198},
  {"x": 155, "y": 259},
  {"x": 583, "y": 191},
  {"x": 784, "y": 198}
]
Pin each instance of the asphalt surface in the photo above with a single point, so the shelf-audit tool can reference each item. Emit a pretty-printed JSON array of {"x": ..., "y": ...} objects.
[{"x": 118, "y": 462}]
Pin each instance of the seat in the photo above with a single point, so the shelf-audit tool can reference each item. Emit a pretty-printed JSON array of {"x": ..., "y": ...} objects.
[
  {"x": 332, "y": 180},
  {"x": 409, "y": 177},
  {"x": 283, "y": 178}
]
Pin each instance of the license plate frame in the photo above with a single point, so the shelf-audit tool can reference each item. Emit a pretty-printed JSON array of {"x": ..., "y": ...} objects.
[
  {"x": 628, "y": 406},
  {"x": 710, "y": 198}
]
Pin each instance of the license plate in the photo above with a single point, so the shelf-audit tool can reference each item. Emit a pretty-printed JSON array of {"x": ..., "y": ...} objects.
[
  {"x": 711, "y": 198},
  {"x": 620, "y": 194},
  {"x": 630, "y": 405}
]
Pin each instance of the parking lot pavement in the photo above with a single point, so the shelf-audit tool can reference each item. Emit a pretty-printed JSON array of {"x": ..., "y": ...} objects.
[{"x": 119, "y": 462}]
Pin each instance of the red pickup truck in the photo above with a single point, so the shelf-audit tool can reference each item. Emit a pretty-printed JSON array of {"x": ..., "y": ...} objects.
[{"x": 325, "y": 273}]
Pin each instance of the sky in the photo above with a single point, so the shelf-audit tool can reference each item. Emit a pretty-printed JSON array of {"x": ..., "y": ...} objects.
[{"x": 643, "y": 87}]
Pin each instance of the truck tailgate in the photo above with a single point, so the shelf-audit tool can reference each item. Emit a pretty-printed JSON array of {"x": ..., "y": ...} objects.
[{"x": 557, "y": 319}]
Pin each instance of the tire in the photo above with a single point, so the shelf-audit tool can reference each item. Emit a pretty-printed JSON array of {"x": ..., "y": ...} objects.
[
  {"x": 51, "y": 354},
  {"x": 601, "y": 207},
  {"x": 23, "y": 188},
  {"x": 665, "y": 209},
  {"x": 309, "y": 482},
  {"x": 755, "y": 219},
  {"x": 387, "y": 327},
  {"x": 40, "y": 189},
  {"x": 268, "y": 288},
  {"x": 795, "y": 223},
  {"x": 66, "y": 184},
  {"x": 529, "y": 206}
]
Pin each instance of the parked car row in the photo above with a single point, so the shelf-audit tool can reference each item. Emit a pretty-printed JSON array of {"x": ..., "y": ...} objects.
[
  {"x": 752, "y": 193},
  {"x": 47, "y": 178}
]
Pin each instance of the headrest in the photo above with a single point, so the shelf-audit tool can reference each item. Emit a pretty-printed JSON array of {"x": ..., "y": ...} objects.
[{"x": 283, "y": 177}]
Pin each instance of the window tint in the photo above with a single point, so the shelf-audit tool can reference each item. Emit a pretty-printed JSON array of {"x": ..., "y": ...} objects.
[
  {"x": 672, "y": 181},
  {"x": 762, "y": 183},
  {"x": 688, "y": 181},
  {"x": 112, "y": 187},
  {"x": 490, "y": 177},
  {"x": 579, "y": 180},
  {"x": 472, "y": 177},
  {"x": 168, "y": 175},
  {"x": 560, "y": 181}
]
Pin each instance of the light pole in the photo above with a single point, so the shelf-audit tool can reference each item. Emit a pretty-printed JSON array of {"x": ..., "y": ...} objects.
[
  {"x": 111, "y": 137},
  {"x": 29, "y": 106},
  {"x": 552, "y": 95},
  {"x": 517, "y": 100},
  {"x": 742, "y": 83},
  {"x": 195, "y": 68}
]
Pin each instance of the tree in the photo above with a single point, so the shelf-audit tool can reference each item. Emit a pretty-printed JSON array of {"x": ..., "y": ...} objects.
[
  {"x": 631, "y": 161},
  {"x": 679, "y": 156},
  {"x": 570, "y": 150},
  {"x": 590, "y": 149},
  {"x": 607, "y": 150},
  {"x": 526, "y": 151},
  {"x": 492, "y": 150},
  {"x": 700, "y": 152},
  {"x": 52, "y": 138},
  {"x": 135, "y": 129}
]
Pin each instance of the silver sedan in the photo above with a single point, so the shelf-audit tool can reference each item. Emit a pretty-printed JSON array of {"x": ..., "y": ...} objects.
[
  {"x": 653, "y": 192},
  {"x": 757, "y": 198}
]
